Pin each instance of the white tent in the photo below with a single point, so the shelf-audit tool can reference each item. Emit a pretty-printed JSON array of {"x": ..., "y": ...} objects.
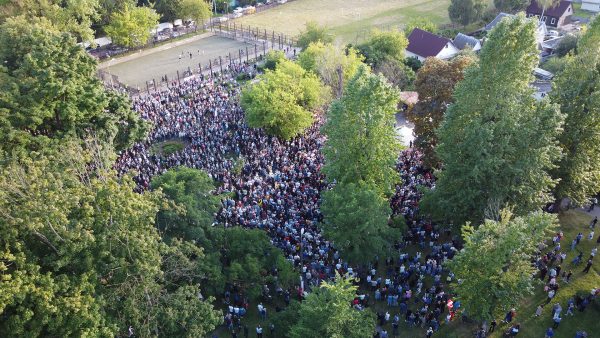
[
  {"x": 103, "y": 41},
  {"x": 178, "y": 23},
  {"x": 162, "y": 26}
]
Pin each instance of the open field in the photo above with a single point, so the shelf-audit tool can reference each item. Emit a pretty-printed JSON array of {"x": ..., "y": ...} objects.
[
  {"x": 348, "y": 20},
  {"x": 154, "y": 65}
]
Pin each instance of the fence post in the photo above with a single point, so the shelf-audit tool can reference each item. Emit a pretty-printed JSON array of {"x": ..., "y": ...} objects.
[
  {"x": 210, "y": 66},
  {"x": 246, "y": 54},
  {"x": 255, "y": 53},
  {"x": 178, "y": 81},
  {"x": 221, "y": 64}
]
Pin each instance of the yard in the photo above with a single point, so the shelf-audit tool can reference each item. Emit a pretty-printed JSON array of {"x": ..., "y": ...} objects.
[{"x": 348, "y": 20}]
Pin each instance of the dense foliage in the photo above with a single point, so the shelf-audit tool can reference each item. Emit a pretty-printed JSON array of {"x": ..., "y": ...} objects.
[
  {"x": 281, "y": 100},
  {"x": 313, "y": 33},
  {"x": 494, "y": 269},
  {"x": 132, "y": 27},
  {"x": 577, "y": 91},
  {"x": 497, "y": 143}
]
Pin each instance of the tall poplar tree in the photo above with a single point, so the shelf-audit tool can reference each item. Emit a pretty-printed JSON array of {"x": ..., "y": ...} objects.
[
  {"x": 497, "y": 143},
  {"x": 577, "y": 91}
]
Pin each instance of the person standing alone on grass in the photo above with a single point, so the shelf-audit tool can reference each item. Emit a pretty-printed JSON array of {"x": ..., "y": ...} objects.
[{"x": 588, "y": 266}]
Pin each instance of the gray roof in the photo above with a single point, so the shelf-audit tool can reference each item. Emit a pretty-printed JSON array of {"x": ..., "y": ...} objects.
[
  {"x": 497, "y": 20},
  {"x": 461, "y": 41}
]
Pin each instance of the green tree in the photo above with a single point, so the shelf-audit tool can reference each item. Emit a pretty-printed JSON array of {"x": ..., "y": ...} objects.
[
  {"x": 496, "y": 143},
  {"x": 327, "y": 312},
  {"x": 435, "y": 84},
  {"x": 80, "y": 253},
  {"x": 384, "y": 46},
  {"x": 494, "y": 269},
  {"x": 74, "y": 17},
  {"x": 273, "y": 58},
  {"x": 465, "y": 12},
  {"x": 327, "y": 61},
  {"x": 577, "y": 91},
  {"x": 362, "y": 144},
  {"x": 49, "y": 91},
  {"x": 356, "y": 220},
  {"x": 192, "y": 189},
  {"x": 108, "y": 7},
  {"x": 421, "y": 23},
  {"x": 133, "y": 26},
  {"x": 169, "y": 10},
  {"x": 249, "y": 258},
  {"x": 281, "y": 100},
  {"x": 567, "y": 44},
  {"x": 313, "y": 33},
  {"x": 511, "y": 6},
  {"x": 197, "y": 10},
  {"x": 398, "y": 73}
]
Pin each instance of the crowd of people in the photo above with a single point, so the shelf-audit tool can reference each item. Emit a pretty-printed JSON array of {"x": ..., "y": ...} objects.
[{"x": 275, "y": 186}]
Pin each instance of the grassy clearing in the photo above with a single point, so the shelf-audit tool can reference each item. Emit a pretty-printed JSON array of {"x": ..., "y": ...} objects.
[
  {"x": 577, "y": 11},
  {"x": 167, "y": 148},
  {"x": 350, "y": 21}
]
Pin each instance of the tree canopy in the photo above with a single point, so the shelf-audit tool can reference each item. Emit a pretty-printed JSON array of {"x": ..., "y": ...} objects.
[
  {"x": 435, "y": 84},
  {"x": 497, "y": 144},
  {"x": 511, "y": 6},
  {"x": 132, "y": 27},
  {"x": 465, "y": 12},
  {"x": 327, "y": 312},
  {"x": 494, "y": 269},
  {"x": 362, "y": 144},
  {"x": 327, "y": 60},
  {"x": 313, "y": 33},
  {"x": 383, "y": 46},
  {"x": 577, "y": 91},
  {"x": 281, "y": 100},
  {"x": 192, "y": 189},
  {"x": 198, "y": 10},
  {"x": 421, "y": 23},
  {"x": 50, "y": 91}
]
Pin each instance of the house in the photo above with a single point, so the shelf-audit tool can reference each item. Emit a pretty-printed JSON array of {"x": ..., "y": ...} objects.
[
  {"x": 497, "y": 20},
  {"x": 540, "y": 32},
  {"x": 591, "y": 5},
  {"x": 553, "y": 17},
  {"x": 422, "y": 44},
  {"x": 462, "y": 41}
]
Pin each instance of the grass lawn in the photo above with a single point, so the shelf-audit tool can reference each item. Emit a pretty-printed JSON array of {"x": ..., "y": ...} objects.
[
  {"x": 577, "y": 11},
  {"x": 348, "y": 20},
  {"x": 572, "y": 222},
  {"x": 167, "y": 148}
]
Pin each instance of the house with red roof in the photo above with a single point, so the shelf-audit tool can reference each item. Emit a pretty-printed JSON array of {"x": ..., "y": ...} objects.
[
  {"x": 555, "y": 17},
  {"x": 422, "y": 44}
]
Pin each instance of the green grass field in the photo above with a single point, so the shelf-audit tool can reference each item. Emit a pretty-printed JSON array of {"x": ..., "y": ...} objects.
[{"x": 347, "y": 20}]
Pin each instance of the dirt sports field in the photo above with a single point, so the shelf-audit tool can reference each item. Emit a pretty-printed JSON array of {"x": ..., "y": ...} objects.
[
  {"x": 154, "y": 65},
  {"x": 347, "y": 20}
]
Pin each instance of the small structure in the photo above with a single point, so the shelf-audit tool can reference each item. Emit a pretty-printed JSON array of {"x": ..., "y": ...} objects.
[
  {"x": 555, "y": 16},
  {"x": 590, "y": 5},
  {"x": 540, "y": 32},
  {"x": 102, "y": 42},
  {"x": 422, "y": 44},
  {"x": 542, "y": 74},
  {"x": 409, "y": 98},
  {"x": 161, "y": 27},
  {"x": 462, "y": 41}
]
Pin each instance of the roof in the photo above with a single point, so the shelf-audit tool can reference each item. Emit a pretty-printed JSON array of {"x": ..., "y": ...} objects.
[
  {"x": 425, "y": 44},
  {"x": 409, "y": 98},
  {"x": 461, "y": 41},
  {"x": 497, "y": 20},
  {"x": 556, "y": 12},
  {"x": 162, "y": 26}
]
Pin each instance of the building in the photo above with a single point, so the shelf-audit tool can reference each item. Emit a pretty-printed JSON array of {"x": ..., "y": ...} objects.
[
  {"x": 462, "y": 41},
  {"x": 497, "y": 20},
  {"x": 540, "y": 32},
  {"x": 591, "y": 5},
  {"x": 422, "y": 44},
  {"x": 554, "y": 17}
]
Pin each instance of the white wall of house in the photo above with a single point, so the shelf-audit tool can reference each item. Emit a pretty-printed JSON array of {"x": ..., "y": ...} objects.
[
  {"x": 413, "y": 55},
  {"x": 591, "y": 5},
  {"x": 449, "y": 51}
]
